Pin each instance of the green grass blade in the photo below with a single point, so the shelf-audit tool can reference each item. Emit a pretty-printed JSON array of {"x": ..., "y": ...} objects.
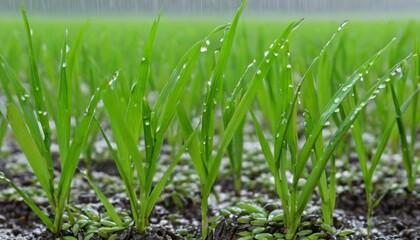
[
  {"x": 72, "y": 159},
  {"x": 36, "y": 87},
  {"x": 64, "y": 106},
  {"x": 123, "y": 137},
  {"x": 384, "y": 138},
  {"x": 148, "y": 137},
  {"x": 282, "y": 192},
  {"x": 26, "y": 142},
  {"x": 215, "y": 84},
  {"x": 25, "y": 105},
  {"x": 406, "y": 157},
  {"x": 194, "y": 148},
  {"x": 41, "y": 214},
  {"x": 107, "y": 204},
  {"x": 134, "y": 109},
  {"x": 3, "y": 128},
  {"x": 128, "y": 183},
  {"x": 245, "y": 103},
  {"x": 160, "y": 185}
]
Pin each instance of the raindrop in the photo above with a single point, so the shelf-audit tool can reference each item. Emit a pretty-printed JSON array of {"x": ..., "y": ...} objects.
[
  {"x": 258, "y": 72},
  {"x": 267, "y": 60},
  {"x": 277, "y": 135},
  {"x": 31, "y": 32},
  {"x": 376, "y": 91},
  {"x": 44, "y": 114},
  {"x": 207, "y": 42},
  {"x": 143, "y": 59},
  {"x": 275, "y": 54},
  {"x": 23, "y": 98},
  {"x": 398, "y": 70},
  {"x": 64, "y": 64},
  {"x": 265, "y": 53},
  {"x": 387, "y": 80},
  {"x": 203, "y": 49},
  {"x": 328, "y": 123},
  {"x": 289, "y": 66},
  {"x": 147, "y": 123},
  {"x": 337, "y": 100},
  {"x": 288, "y": 54},
  {"x": 290, "y": 86},
  {"x": 337, "y": 110},
  {"x": 342, "y": 25},
  {"x": 222, "y": 39},
  {"x": 26, "y": 95},
  {"x": 67, "y": 48},
  {"x": 37, "y": 89}
]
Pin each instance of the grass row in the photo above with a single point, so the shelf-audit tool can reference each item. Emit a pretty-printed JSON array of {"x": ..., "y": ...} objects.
[{"x": 339, "y": 85}]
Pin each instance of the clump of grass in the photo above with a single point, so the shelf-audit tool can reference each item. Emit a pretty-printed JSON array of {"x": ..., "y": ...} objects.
[
  {"x": 29, "y": 121},
  {"x": 154, "y": 122},
  {"x": 295, "y": 200}
]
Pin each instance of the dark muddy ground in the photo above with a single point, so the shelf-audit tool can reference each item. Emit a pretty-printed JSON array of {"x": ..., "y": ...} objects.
[{"x": 177, "y": 214}]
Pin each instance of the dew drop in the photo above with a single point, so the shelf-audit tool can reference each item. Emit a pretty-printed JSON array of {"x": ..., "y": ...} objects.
[
  {"x": 289, "y": 66},
  {"x": 337, "y": 100},
  {"x": 67, "y": 48},
  {"x": 207, "y": 42},
  {"x": 258, "y": 72},
  {"x": 337, "y": 110},
  {"x": 64, "y": 64},
  {"x": 266, "y": 53},
  {"x": 147, "y": 123}
]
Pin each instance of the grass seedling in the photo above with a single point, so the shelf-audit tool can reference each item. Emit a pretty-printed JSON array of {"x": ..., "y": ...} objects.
[
  {"x": 29, "y": 121},
  {"x": 138, "y": 117},
  {"x": 207, "y": 165}
]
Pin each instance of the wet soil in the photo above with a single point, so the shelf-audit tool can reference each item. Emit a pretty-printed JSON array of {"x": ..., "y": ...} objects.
[{"x": 177, "y": 214}]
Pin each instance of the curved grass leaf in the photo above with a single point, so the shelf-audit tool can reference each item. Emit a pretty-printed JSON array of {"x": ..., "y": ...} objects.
[
  {"x": 41, "y": 214},
  {"x": 107, "y": 204},
  {"x": 407, "y": 158},
  {"x": 30, "y": 149},
  {"x": 37, "y": 89}
]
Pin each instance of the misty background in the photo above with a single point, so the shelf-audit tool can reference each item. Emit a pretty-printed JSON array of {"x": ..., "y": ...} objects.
[{"x": 208, "y": 7}]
